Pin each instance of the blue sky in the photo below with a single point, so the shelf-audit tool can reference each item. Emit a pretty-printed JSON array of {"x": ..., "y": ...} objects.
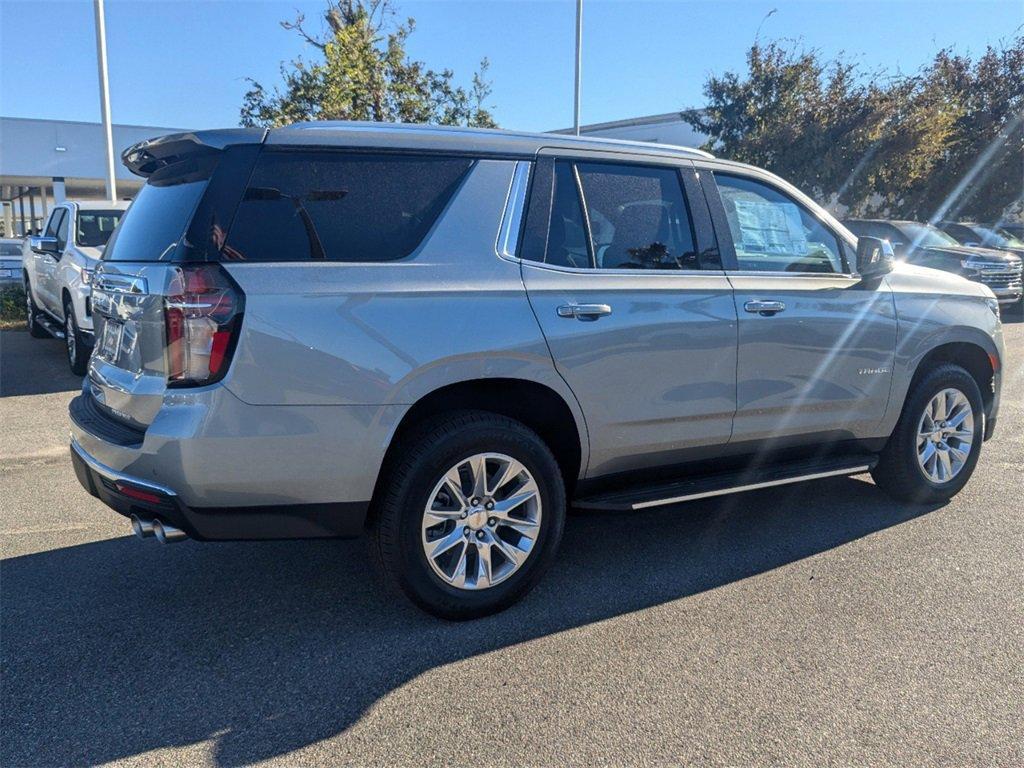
[{"x": 184, "y": 63}]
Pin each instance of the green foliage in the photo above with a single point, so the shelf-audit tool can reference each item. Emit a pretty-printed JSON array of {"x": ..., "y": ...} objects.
[
  {"x": 946, "y": 141},
  {"x": 365, "y": 74},
  {"x": 12, "y": 307}
]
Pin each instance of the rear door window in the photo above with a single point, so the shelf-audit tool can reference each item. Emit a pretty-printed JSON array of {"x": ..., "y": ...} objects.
[
  {"x": 340, "y": 206},
  {"x": 638, "y": 217},
  {"x": 629, "y": 217},
  {"x": 567, "y": 233}
]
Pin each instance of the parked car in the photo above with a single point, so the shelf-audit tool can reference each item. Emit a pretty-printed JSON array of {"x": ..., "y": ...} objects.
[
  {"x": 10, "y": 262},
  {"x": 928, "y": 246},
  {"x": 448, "y": 335},
  {"x": 968, "y": 233},
  {"x": 57, "y": 269}
]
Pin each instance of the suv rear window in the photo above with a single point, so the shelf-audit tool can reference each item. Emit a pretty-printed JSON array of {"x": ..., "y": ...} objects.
[
  {"x": 340, "y": 206},
  {"x": 156, "y": 220}
]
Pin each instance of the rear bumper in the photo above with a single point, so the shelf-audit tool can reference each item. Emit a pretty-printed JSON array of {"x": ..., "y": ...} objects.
[
  {"x": 229, "y": 470},
  {"x": 128, "y": 495}
]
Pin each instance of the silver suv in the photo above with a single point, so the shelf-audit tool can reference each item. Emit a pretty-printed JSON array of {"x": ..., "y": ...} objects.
[{"x": 448, "y": 336}]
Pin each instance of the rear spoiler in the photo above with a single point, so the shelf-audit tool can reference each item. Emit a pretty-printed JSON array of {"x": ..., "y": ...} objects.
[{"x": 151, "y": 155}]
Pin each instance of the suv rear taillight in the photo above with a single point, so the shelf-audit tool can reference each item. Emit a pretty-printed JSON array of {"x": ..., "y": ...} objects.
[{"x": 202, "y": 317}]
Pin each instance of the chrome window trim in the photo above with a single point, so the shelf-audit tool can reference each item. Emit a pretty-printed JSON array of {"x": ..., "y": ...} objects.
[
  {"x": 510, "y": 230},
  {"x": 673, "y": 273},
  {"x": 851, "y": 276}
]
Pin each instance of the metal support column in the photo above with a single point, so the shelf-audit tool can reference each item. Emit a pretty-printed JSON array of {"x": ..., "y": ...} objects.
[
  {"x": 101, "y": 60},
  {"x": 579, "y": 68}
]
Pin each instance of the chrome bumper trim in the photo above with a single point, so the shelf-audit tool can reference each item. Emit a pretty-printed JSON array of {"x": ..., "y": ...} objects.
[{"x": 114, "y": 475}]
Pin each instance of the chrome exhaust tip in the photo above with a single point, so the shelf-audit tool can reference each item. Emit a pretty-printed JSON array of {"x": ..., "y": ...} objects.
[
  {"x": 168, "y": 534},
  {"x": 143, "y": 529}
]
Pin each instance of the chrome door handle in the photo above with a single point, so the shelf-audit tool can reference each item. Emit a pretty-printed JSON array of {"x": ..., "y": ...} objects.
[
  {"x": 766, "y": 308},
  {"x": 584, "y": 312}
]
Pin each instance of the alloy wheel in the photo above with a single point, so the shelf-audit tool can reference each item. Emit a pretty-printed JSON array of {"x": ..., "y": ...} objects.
[
  {"x": 944, "y": 435},
  {"x": 481, "y": 521}
]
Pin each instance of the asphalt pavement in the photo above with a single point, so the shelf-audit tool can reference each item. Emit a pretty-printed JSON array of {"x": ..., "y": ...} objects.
[{"x": 819, "y": 624}]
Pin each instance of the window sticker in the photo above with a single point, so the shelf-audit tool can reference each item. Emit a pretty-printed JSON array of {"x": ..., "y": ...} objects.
[{"x": 770, "y": 228}]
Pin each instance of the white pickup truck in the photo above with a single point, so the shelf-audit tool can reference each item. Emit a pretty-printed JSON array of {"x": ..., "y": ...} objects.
[{"x": 58, "y": 267}]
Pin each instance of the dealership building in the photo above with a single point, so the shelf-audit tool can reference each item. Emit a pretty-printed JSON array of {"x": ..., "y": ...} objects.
[{"x": 43, "y": 162}]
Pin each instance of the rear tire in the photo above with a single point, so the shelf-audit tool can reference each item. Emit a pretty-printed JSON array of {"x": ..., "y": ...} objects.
[
  {"x": 35, "y": 330},
  {"x": 481, "y": 535},
  {"x": 925, "y": 462},
  {"x": 74, "y": 341}
]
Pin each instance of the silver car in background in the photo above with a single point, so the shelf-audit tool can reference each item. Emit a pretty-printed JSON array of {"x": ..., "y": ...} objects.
[
  {"x": 10, "y": 262},
  {"x": 447, "y": 336}
]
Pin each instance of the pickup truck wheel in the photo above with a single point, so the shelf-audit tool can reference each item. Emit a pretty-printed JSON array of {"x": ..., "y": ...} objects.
[
  {"x": 35, "y": 330},
  {"x": 469, "y": 515},
  {"x": 78, "y": 352},
  {"x": 934, "y": 448}
]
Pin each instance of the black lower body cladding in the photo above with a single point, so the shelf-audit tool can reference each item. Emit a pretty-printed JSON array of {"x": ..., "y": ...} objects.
[{"x": 290, "y": 521}]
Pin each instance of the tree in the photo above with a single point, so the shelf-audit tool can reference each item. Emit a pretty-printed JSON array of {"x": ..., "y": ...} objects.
[
  {"x": 982, "y": 169},
  {"x": 946, "y": 140},
  {"x": 364, "y": 73}
]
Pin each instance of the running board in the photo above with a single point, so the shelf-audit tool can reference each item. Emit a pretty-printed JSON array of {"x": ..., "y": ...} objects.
[
  {"x": 51, "y": 328},
  {"x": 725, "y": 483}
]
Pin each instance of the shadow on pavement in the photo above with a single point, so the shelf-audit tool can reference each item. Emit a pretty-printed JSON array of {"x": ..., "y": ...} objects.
[
  {"x": 34, "y": 366},
  {"x": 115, "y": 648}
]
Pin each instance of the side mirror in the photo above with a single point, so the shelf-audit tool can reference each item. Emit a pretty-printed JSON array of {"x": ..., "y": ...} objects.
[
  {"x": 874, "y": 256},
  {"x": 45, "y": 245}
]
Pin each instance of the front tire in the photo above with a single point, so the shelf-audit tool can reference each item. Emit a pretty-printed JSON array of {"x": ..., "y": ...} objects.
[
  {"x": 78, "y": 352},
  {"x": 469, "y": 514},
  {"x": 934, "y": 449}
]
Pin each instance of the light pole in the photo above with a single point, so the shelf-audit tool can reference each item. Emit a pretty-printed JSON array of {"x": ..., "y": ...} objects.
[
  {"x": 101, "y": 58},
  {"x": 579, "y": 67}
]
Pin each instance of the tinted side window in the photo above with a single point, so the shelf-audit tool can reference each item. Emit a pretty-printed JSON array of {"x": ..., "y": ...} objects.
[
  {"x": 155, "y": 222},
  {"x": 638, "y": 217},
  {"x": 774, "y": 233},
  {"x": 862, "y": 228},
  {"x": 340, "y": 206},
  {"x": 567, "y": 236},
  {"x": 962, "y": 233},
  {"x": 62, "y": 230},
  {"x": 54, "y": 222}
]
